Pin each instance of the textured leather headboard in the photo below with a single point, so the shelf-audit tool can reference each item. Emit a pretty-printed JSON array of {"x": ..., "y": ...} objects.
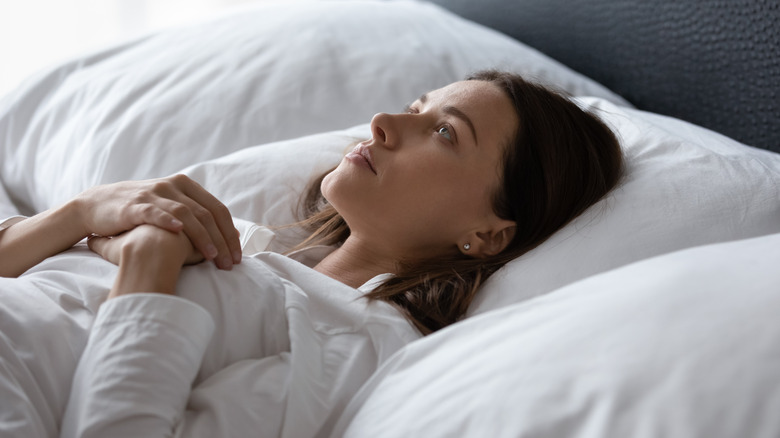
[{"x": 714, "y": 63}]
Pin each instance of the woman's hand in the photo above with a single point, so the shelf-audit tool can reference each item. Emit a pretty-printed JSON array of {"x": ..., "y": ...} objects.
[
  {"x": 149, "y": 258},
  {"x": 175, "y": 203},
  {"x": 146, "y": 240}
]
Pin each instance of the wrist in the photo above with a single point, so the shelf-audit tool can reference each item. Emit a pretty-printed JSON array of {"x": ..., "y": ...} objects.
[
  {"x": 30, "y": 241},
  {"x": 72, "y": 214},
  {"x": 148, "y": 265},
  {"x": 144, "y": 274}
]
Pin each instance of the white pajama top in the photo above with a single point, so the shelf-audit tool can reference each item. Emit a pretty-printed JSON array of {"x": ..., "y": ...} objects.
[{"x": 269, "y": 349}]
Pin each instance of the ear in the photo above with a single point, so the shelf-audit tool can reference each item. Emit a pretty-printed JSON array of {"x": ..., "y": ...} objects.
[{"x": 489, "y": 242}]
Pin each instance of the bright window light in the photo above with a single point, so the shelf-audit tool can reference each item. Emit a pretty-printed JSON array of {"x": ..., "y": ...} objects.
[{"x": 35, "y": 34}]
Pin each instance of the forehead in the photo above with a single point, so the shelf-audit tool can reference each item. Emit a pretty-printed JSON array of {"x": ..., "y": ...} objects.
[{"x": 489, "y": 109}]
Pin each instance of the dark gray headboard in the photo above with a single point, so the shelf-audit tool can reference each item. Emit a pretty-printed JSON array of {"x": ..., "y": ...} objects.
[{"x": 714, "y": 63}]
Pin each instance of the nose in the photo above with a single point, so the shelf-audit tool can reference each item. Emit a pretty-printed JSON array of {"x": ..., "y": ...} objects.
[{"x": 384, "y": 129}]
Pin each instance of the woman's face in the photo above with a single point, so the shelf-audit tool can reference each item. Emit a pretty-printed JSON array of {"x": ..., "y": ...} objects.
[{"x": 424, "y": 183}]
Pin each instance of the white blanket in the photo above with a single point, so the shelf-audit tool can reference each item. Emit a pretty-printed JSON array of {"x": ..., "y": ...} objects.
[
  {"x": 272, "y": 348},
  {"x": 7, "y": 207}
]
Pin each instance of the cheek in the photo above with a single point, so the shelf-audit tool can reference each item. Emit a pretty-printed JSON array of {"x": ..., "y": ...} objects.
[
  {"x": 438, "y": 195},
  {"x": 466, "y": 197}
]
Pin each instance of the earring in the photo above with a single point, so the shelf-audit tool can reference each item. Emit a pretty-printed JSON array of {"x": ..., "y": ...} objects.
[{"x": 466, "y": 246}]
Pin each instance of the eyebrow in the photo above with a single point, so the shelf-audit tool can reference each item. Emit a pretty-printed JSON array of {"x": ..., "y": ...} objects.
[{"x": 451, "y": 110}]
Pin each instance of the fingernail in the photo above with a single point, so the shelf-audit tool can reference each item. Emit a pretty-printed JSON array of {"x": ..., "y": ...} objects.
[
  {"x": 176, "y": 223},
  {"x": 236, "y": 256},
  {"x": 211, "y": 251},
  {"x": 225, "y": 263}
]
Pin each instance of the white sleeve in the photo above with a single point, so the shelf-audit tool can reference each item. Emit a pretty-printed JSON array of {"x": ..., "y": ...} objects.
[
  {"x": 135, "y": 375},
  {"x": 254, "y": 238}
]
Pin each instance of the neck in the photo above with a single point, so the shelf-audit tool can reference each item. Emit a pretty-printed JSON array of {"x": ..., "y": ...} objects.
[{"x": 354, "y": 263}]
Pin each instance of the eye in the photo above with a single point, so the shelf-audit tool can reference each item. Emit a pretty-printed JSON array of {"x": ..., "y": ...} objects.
[
  {"x": 410, "y": 110},
  {"x": 444, "y": 131}
]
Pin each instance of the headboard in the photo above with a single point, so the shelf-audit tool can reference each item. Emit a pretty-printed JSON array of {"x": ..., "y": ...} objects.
[{"x": 714, "y": 63}]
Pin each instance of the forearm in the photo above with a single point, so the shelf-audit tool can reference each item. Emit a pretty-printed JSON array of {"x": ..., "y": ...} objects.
[
  {"x": 145, "y": 346},
  {"x": 136, "y": 372},
  {"x": 176, "y": 204},
  {"x": 27, "y": 243}
]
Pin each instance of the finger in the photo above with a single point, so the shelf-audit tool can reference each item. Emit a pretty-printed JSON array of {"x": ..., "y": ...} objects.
[
  {"x": 199, "y": 229},
  {"x": 94, "y": 244},
  {"x": 168, "y": 195},
  {"x": 101, "y": 246},
  {"x": 224, "y": 258},
  {"x": 165, "y": 206},
  {"x": 219, "y": 213},
  {"x": 181, "y": 197},
  {"x": 154, "y": 215}
]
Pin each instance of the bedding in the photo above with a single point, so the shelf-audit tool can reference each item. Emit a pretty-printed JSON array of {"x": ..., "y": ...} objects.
[
  {"x": 651, "y": 314},
  {"x": 681, "y": 345},
  {"x": 7, "y": 207}
]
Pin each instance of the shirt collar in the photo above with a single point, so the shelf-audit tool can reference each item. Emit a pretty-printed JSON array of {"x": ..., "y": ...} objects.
[
  {"x": 256, "y": 238},
  {"x": 314, "y": 254}
]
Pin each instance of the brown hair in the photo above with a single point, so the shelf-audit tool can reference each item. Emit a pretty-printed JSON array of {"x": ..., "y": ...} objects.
[{"x": 560, "y": 161}]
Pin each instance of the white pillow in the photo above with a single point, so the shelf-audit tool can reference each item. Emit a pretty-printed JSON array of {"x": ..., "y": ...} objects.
[
  {"x": 684, "y": 186},
  {"x": 263, "y": 73},
  {"x": 683, "y": 345}
]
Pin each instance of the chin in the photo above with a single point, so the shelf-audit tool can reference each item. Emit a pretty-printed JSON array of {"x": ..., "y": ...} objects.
[
  {"x": 335, "y": 185},
  {"x": 326, "y": 185},
  {"x": 335, "y": 192}
]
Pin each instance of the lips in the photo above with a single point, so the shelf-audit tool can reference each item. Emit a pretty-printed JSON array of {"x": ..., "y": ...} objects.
[{"x": 363, "y": 151}]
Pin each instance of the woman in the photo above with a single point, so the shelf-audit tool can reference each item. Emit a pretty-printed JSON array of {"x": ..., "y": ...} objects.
[{"x": 415, "y": 219}]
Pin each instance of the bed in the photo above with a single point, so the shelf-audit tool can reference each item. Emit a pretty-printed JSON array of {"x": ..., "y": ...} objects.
[{"x": 652, "y": 314}]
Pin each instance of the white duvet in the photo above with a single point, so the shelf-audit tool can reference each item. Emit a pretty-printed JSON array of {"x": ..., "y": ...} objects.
[{"x": 238, "y": 353}]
